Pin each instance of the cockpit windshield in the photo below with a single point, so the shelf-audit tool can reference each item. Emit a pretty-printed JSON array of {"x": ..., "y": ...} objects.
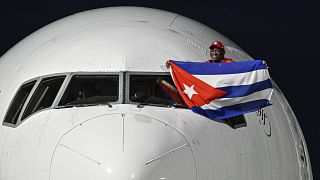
[
  {"x": 153, "y": 89},
  {"x": 80, "y": 89},
  {"x": 91, "y": 89}
]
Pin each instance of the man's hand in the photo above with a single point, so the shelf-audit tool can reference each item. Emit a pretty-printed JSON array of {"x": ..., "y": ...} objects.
[
  {"x": 265, "y": 62},
  {"x": 168, "y": 64}
]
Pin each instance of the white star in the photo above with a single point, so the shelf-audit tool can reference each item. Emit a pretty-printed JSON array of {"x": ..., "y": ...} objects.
[{"x": 189, "y": 90}]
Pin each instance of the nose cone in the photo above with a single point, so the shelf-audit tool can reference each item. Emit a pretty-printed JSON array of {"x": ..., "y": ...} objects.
[{"x": 122, "y": 147}]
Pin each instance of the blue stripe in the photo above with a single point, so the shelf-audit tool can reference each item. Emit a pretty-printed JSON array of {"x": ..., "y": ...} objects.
[
  {"x": 244, "y": 90},
  {"x": 234, "y": 110},
  {"x": 207, "y": 68}
]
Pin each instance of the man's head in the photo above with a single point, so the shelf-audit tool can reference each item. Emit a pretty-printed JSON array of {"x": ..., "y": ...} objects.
[{"x": 217, "y": 51}]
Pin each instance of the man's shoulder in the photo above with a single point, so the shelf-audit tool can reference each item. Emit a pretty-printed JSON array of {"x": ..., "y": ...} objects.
[{"x": 226, "y": 60}]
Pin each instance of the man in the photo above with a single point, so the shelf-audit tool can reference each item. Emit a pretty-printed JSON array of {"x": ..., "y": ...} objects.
[{"x": 217, "y": 53}]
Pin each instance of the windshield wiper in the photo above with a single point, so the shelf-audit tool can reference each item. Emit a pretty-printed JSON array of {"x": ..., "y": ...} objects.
[
  {"x": 141, "y": 104},
  {"x": 107, "y": 103},
  {"x": 65, "y": 106},
  {"x": 84, "y": 105},
  {"x": 74, "y": 105},
  {"x": 179, "y": 106}
]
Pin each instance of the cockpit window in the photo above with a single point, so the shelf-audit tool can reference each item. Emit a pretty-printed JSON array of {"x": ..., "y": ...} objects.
[
  {"x": 91, "y": 89},
  {"x": 153, "y": 89},
  {"x": 18, "y": 102},
  {"x": 44, "y": 95}
]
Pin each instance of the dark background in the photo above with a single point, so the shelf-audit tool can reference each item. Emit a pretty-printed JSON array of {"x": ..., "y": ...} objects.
[{"x": 281, "y": 32}]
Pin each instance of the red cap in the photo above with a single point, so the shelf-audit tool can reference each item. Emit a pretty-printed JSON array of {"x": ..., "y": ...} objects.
[{"x": 217, "y": 44}]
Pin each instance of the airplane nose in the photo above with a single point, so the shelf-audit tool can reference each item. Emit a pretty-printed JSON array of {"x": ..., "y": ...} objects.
[{"x": 122, "y": 147}]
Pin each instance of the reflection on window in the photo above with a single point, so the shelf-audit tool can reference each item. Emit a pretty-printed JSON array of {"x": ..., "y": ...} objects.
[
  {"x": 18, "y": 102},
  {"x": 153, "y": 89},
  {"x": 91, "y": 89},
  {"x": 44, "y": 95}
]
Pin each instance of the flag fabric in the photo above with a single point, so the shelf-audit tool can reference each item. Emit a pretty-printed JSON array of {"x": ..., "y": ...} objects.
[{"x": 222, "y": 90}]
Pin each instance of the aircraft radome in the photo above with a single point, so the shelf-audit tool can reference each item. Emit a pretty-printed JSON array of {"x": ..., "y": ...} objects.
[{"x": 80, "y": 99}]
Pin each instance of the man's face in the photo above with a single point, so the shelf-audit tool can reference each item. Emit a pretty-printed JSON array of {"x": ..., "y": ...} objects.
[{"x": 216, "y": 54}]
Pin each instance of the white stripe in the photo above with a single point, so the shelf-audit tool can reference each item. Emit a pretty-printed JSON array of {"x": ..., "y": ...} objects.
[
  {"x": 222, "y": 102},
  {"x": 222, "y": 80}
]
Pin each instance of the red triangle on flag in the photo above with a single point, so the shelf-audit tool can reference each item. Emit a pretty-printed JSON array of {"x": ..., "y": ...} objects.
[{"x": 192, "y": 90}]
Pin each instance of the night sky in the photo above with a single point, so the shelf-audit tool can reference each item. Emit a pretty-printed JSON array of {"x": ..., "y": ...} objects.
[{"x": 281, "y": 32}]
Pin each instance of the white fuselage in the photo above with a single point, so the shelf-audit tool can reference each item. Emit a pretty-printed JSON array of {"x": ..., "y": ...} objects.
[{"x": 127, "y": 141}]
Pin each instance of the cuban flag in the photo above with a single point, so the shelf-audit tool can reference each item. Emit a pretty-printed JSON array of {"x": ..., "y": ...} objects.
[{"x": 222, "y": 90}]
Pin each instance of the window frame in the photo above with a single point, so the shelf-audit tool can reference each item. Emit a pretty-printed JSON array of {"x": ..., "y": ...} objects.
[
  {"x": 236, "y": 122},
  {"x": 68, "y": 79},
  {"x": 33, "y": 93},
  {"x": 127, "y": 83},
  {"x": 24, "y": 105}
]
